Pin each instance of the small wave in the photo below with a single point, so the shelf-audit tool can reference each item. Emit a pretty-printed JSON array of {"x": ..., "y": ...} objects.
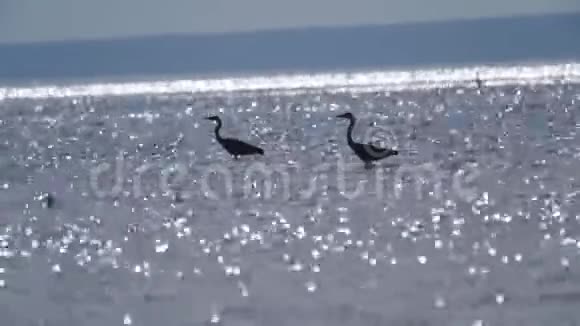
[{"x": 330, "y": 82}]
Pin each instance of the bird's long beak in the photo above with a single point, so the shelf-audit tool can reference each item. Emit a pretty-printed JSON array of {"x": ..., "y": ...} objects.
[
  {"x": 208, "y": 119},
  {"x": 341, "y": 115}
]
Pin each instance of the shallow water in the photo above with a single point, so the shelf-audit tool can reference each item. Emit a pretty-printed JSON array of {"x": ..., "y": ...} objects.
[{"x": 475, "y": 223}]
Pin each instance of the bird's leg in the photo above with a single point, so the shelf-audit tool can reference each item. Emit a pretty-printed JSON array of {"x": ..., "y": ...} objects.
[{"x": 368, "y": 165}]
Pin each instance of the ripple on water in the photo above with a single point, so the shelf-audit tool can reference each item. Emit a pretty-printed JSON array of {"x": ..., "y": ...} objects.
[{"x": 113, "y": 196}]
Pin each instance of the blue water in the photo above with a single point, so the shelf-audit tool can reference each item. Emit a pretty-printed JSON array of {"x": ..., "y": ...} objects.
[{"x": 508, "y": 40}]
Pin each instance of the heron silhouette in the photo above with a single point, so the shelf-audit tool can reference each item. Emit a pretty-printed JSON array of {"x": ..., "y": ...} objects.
[
  {"x": 478, "y": 82},
  {"x": 234, "y": 147},
  {"x": 368, "y": 153}
]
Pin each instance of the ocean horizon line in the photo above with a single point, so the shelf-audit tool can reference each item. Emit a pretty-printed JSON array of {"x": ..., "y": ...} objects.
[{"x": 505, "y": 40}]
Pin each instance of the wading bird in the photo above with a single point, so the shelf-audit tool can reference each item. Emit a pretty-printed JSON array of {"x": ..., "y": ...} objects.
[
  {"x": 234, "y": 147},
  {"x": 478, "y": 82},
  {"x": 368, "y": 153}
]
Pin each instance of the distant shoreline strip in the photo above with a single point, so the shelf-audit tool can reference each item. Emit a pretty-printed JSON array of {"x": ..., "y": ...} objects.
[{"x": 302, "y": 83}]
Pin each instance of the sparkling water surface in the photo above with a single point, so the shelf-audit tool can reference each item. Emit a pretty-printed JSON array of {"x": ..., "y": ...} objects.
[{"x": 475, "y": 223}]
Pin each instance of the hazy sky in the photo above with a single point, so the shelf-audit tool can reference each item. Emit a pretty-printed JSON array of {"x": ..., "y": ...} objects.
[{"x": 39, "y": 20}]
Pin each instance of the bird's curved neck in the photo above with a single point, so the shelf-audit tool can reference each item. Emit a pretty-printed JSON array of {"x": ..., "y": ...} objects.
[
  {"x": 349, "y": 131},
  {"x": 217, "y": 130}
]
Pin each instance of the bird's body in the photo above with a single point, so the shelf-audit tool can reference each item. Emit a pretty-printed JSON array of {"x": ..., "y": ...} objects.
[
  {"x": 234, "y": 147},
  {"x": 368, "y": 153},
  {"x": 478, "y": 82},
  {"x": 238, "y": 148}
]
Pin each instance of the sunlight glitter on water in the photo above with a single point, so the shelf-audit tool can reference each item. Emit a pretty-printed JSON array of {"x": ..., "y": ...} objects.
[
  {"x": 300, "y": 83},
  {"x": 415, "y": 253}
]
